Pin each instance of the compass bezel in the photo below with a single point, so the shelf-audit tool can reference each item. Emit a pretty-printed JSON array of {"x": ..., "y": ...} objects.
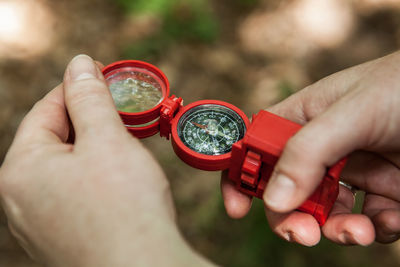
[{"x": 196, "y": 159}]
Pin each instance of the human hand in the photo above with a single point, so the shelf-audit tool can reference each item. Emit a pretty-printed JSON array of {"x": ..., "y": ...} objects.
[
  {"x": 357, "y": 112},
  {"x": 102, "y": 201}
]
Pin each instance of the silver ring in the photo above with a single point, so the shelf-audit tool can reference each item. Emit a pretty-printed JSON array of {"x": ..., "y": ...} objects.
[{"x": 353, "y": 189}]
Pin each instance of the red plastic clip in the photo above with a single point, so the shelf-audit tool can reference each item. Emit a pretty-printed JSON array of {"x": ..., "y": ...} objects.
[
  {"x": 251, "y": 169},
  {"x": 170, "y": 107}
]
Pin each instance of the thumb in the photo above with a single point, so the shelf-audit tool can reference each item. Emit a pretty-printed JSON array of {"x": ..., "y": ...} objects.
[
  {"x": 88, "y": 100},
  {"x": 342, "y": 128}
]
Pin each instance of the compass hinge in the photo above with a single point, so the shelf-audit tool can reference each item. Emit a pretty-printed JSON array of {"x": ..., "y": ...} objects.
[{"x": 170, "y": 107}]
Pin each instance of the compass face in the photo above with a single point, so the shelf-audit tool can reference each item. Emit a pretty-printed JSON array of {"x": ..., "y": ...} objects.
[
  {"x": 134, "y": 91},
  {"x": 211, "y": 129}
]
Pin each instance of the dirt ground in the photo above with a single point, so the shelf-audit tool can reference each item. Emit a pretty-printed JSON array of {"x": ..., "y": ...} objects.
[{"x": 264, "y": 51}]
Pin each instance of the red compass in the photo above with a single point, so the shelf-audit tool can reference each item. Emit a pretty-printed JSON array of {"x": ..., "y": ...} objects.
[{"x": 210, "y": 134}]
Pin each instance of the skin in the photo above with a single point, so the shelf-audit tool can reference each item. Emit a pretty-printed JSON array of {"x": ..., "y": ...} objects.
[
  {"x": 354, "y": 112},
  {"x": 88, "y": 202},
  {"x": 99, "y": 201}
]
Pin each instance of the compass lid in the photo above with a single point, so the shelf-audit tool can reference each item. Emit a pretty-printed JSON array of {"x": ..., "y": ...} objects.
[{"x": 138, "y": 89}]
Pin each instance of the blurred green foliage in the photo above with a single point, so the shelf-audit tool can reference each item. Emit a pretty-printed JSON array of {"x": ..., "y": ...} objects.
[
  {"x": 146, "y": 6},
  {"x": 182, "y": 21},
  {"x": 286, "y": 89}
]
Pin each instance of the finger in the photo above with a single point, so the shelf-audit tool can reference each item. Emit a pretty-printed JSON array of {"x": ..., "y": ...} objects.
[
  {"x": 46, "y": 122},
  {"x": 346, "y": 228},
  {"x": 88, "y": 100},
  {"x": 317, "y": 146},
  {"x": 385, "y": 214},
  {"x": 296, "y": 226},
  {"x": 237, "y": 204},
  {"x": 313, "y": 100},
  {"x": 381, "y": 177},
  {"x": 387, "y": 224}
]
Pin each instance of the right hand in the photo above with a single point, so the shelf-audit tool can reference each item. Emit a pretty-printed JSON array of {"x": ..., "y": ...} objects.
[{"x": 357, "y": 112}]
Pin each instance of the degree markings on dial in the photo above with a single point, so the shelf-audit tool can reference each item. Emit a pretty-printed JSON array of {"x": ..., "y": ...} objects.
[
  {"x": 211, "y": 141},
  {"x": 220, "y": 121}
]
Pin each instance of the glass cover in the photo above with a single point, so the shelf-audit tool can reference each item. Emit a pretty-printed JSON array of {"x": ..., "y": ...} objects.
[
  {"x": 211, "y": 129},
  {"x": 135, "y": 91}
]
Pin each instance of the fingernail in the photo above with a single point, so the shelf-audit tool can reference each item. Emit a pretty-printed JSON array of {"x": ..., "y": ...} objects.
[
  {"x": 343, "y": 238},
  {"x": 393, "y": 237},
  {"x": 292, "y": 237},
  {"x": 348, "y": 239},
  {"x": 279, "y": 191},
  {"x": 82, "y": 67},
  {"x": 287, "y": 236},
  {"x": 358, "y": 242}
]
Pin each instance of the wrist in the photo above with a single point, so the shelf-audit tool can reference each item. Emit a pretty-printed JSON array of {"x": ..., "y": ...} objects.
[{"x": 158, "y": 245}]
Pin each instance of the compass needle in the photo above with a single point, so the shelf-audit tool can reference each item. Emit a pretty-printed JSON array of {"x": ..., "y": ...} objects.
[
  {"x": 224, "y": 135},
  {"x": 199, "y": 125}
]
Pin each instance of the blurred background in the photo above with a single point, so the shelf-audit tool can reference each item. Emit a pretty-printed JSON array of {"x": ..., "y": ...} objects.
[{"x": 251, "y": 53}]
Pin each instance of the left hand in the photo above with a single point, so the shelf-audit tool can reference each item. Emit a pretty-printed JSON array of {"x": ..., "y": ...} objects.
[{"x": 101, "y": 201}]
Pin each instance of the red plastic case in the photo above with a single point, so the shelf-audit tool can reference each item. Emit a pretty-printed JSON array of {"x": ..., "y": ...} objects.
[
  {"x": 254, "y": 157},
  {"x": 251, "y": 160},
  {"x": 198, "y": 160}
]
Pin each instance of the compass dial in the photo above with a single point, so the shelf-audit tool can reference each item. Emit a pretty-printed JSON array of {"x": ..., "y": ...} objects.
[{"x": 211, "y": 129}]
